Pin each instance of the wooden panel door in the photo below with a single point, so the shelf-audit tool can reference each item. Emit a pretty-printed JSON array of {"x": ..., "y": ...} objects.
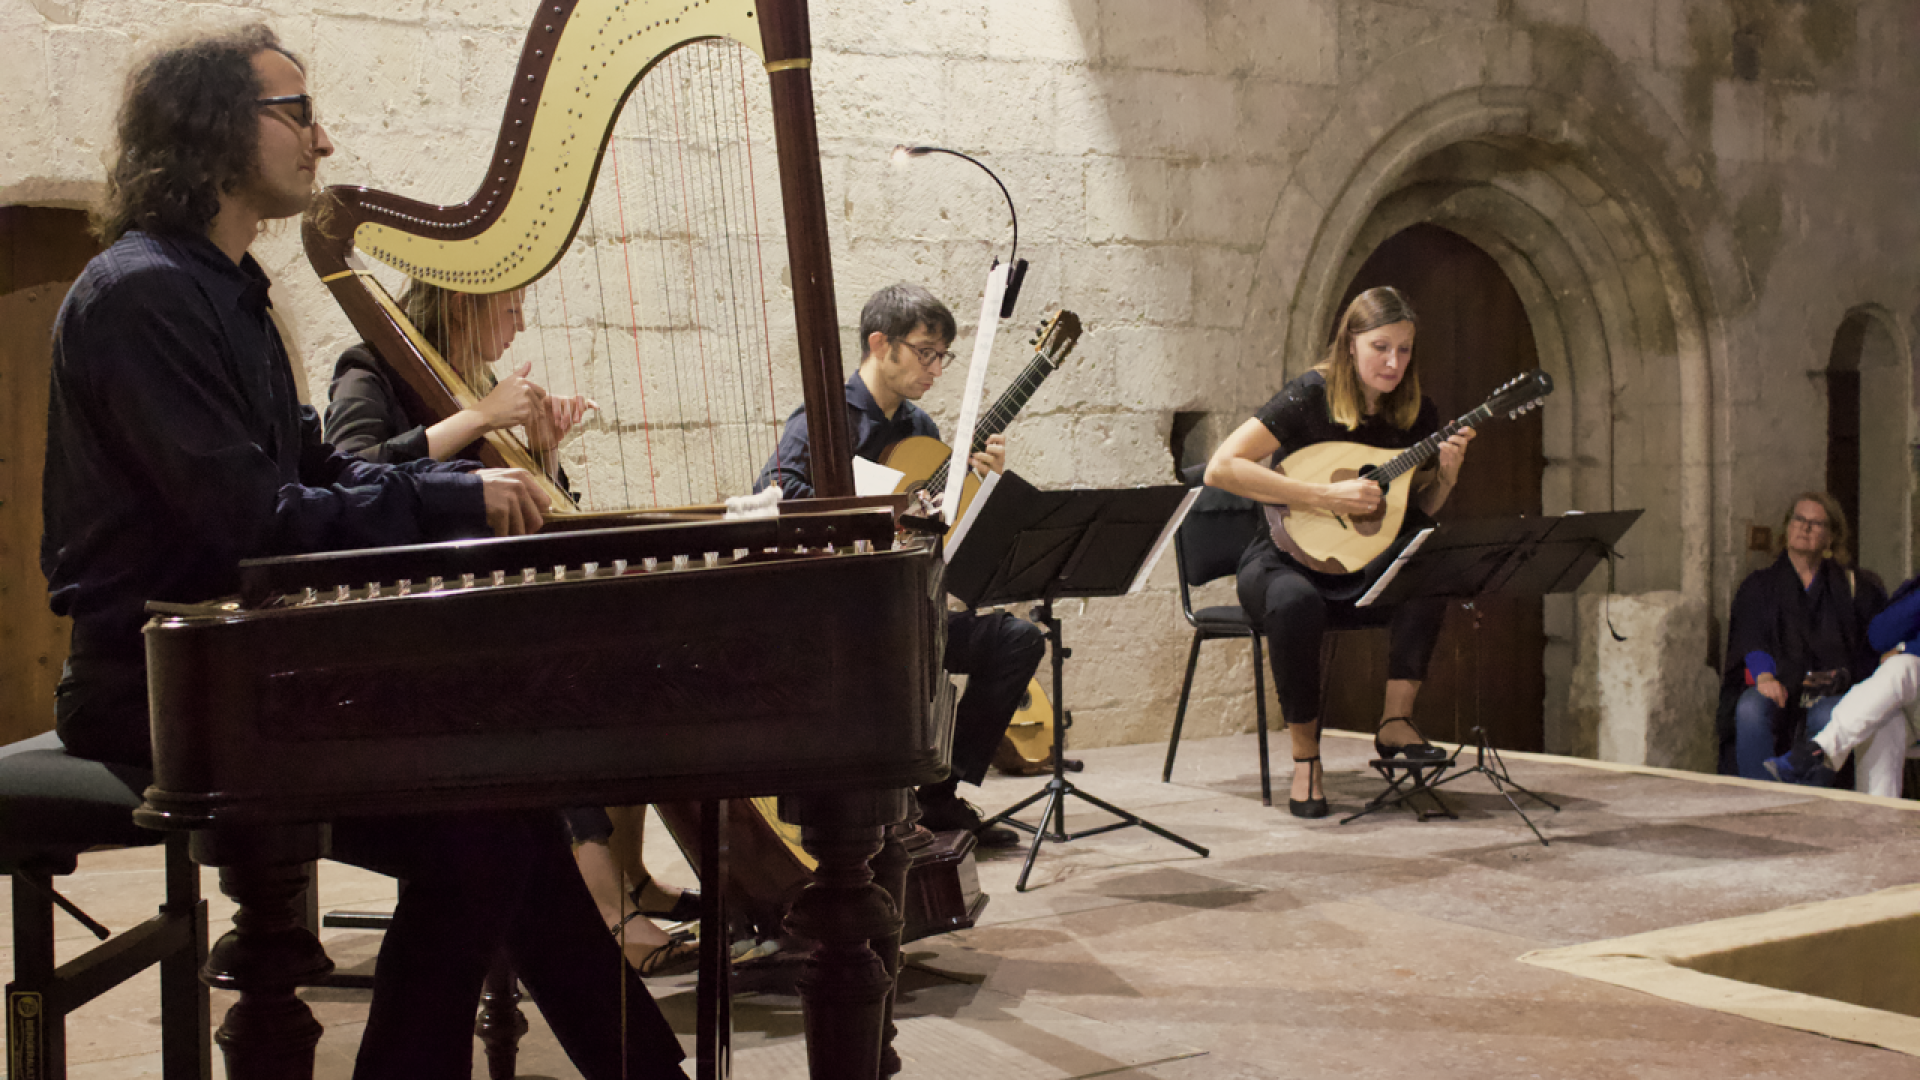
[
  {"x": 1473, "y": 336},
  {"x": 41, "y": 252}
]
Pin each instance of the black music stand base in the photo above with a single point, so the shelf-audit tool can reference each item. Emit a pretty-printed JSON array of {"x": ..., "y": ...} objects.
[{"x": 1059, "y": 787}]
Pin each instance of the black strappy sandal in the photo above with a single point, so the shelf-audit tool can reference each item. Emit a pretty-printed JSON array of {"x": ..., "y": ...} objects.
[
  {"x": 677, "y": 955},
  {"x": 1309, "y": 807},
  {"x": 685, "y": 907},
  {"x": 1414, "y": 751}
]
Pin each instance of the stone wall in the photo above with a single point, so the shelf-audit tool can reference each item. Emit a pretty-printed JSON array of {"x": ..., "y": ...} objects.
[{"x": 1690, "y": 195}]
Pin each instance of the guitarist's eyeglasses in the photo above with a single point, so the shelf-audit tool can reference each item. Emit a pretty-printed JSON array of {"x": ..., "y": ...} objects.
[{"x": 928, "y": 357}]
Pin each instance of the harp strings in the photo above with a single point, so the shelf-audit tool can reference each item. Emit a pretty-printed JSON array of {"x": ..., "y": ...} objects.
[{"x": 660, "y": 310}]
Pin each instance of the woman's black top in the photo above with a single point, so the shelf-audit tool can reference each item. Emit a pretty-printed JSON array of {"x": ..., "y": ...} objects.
[
  {"x": 1822, "y": 627},
  {"x": 1299, "y": 416},
  {"x": 366, "y": 415}
]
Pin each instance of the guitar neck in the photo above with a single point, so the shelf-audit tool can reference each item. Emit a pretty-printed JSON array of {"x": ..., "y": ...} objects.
[
  {"x": 1418, "y": 454},
  {"x": 995, "y": 420}
]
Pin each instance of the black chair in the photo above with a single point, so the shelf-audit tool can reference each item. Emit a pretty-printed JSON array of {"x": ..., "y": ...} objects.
[
  {"x": 1208, "y": 545},
  {"x": 53, "y": 808}
]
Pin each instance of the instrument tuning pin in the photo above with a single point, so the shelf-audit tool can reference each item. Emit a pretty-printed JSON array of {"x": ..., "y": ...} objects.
[
  {"x": 466, "y": 581},
  {"x": 436, "y": 583},
  {"x": 711, "y": 559},
  {"x": 405, "y": 587},
  {"x": 619, "y": 567},
  {"x": 528, "y": 574},
  {"x": 680, "y": 562}
]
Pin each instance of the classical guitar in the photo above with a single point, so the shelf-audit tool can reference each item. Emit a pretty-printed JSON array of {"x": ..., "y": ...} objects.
[
  {"x": 923, "y": 460},
  {"x": 1342, "y": 543}
]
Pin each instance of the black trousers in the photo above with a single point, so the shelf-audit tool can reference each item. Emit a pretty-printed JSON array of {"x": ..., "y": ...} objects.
[
  {"x": 476, "y": 884},
  {"x": 1295, "y": 607},
  {"x": 998, "y": 653}
]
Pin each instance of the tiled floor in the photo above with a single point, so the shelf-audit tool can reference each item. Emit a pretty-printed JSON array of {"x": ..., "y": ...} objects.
[{"x": 1383, "y": 948}]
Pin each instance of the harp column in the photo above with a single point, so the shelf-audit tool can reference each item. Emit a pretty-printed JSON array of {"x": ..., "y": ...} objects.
[{"x": 788, "y": 48}]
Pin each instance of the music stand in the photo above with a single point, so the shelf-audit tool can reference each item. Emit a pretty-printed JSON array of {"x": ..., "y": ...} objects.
[
  {"x": 1468, "y": 560},
  {"x": 1025, "y": 544}
]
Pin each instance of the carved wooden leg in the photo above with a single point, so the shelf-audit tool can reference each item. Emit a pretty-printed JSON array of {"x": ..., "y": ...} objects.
[
  {"x": 890, "y": 873},
  {"x": 269, "y": 1034},
  {"x": 845, "y": 986},
  {"x": 500, "y": 1023}
]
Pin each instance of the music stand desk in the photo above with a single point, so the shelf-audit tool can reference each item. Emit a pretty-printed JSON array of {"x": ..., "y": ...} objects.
[
  {"x": 1025, "y": 545},
  {"x": 1467, "y": 560}
]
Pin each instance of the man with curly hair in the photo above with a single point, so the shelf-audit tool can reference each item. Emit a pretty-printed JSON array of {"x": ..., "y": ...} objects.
[{"x": 177, "y": 446}]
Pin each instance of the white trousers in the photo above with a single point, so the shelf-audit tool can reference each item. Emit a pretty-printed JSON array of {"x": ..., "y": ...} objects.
[{"x": 1878, "y": 713}]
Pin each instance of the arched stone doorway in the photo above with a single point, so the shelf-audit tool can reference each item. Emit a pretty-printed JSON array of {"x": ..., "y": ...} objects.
[
  {"x": 41, "y": 251},
  {"x": 1579, "y": 211},
  {"x": 1473, "y": 336},
  {"x": 1869, "y": 440}
]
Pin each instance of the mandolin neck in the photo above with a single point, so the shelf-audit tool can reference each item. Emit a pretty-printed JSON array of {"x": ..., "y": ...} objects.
[{"x": 1419, "y": 453}]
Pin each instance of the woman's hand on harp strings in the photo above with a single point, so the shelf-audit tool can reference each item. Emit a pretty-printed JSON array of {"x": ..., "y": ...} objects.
[
  {"x": 515, "y": 504},
  {"x": 564, "y": 413},
  {"x": 515, "y": 401}
]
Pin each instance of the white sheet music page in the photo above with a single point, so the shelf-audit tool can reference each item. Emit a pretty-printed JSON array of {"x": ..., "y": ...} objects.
[
  {"x": 979, "y": 503},
  {"x": 976, "y": 386},
  {"x": 1393, "y": 571},
  {"x": 1160, "y": 545}
]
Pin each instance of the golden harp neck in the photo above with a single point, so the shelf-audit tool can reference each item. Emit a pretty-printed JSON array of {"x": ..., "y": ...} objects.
[{"x": 581, "y": 61}]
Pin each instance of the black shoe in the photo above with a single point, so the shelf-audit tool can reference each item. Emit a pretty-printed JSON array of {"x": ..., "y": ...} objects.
[
  {"x": 1803, "y": 764},
  {"x": 946, "y": 812},
  {"x": 685, "y": 907},
  {"x": 1414, "y": 751},
  {"x": 1309, "y": 807}
]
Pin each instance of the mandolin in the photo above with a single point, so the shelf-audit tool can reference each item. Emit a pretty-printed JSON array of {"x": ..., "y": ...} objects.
[
  {"x": 1027, "y": 747},
  {"x": 923, "y": 459},
  {"x": 1342, "y": 543}
]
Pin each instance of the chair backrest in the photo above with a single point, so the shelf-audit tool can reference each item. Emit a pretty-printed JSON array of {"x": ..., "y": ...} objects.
[{"x": 1216, "y": 532}]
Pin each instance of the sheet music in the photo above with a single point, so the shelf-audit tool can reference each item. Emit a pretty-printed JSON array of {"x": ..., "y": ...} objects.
[
  {"x": 873, "y": 478},
  {"x": 973, "y": 512},
  {"x": 976, "y": 386},
  {"x": 1160, "y": 545},
  {"x": 1380, "y": 586}
]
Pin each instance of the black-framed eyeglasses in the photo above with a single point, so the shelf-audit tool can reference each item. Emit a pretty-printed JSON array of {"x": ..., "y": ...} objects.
[
  {"x": 303, "y": 113},
  {"x": 928, "y": 357},
  {"x": 1811, "y": 523}
]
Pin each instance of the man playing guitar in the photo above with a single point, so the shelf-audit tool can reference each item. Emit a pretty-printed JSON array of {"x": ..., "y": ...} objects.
[{"x": 906, "y": 335}]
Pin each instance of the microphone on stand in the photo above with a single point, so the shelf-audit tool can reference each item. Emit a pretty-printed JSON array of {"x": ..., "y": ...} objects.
[{"x": 1019, "y": 271}]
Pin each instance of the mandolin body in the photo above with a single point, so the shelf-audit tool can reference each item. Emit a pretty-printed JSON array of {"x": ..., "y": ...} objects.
[{"x": 1338, "y": 543}]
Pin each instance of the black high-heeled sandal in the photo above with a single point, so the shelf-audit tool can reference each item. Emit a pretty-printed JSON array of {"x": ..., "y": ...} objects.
[
  {"x": 685, "y": 907},
  {"x": 677, "y": 955},
  {"x": 1309, "y": 807},
  {"x": 1413, "y": 751}
]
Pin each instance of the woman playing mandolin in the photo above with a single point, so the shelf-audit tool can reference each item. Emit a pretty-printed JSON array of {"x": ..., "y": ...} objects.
[{"x": 1365, "y": 392}]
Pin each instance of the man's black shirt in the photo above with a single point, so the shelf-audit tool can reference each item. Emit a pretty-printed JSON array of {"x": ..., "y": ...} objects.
[{"x": 176, "y": 446}]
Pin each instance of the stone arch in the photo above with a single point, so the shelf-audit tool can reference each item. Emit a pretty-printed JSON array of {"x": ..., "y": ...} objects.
[
  {"x": 1601, "y": 218},
  {"x": 1869, "y": 346},
  {"x": 1587, "y": 237}
]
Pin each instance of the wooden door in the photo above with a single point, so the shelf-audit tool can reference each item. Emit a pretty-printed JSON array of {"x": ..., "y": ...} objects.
[
  {"x": 41, "y": 252},
  {"x": 1473, "y": 335}
]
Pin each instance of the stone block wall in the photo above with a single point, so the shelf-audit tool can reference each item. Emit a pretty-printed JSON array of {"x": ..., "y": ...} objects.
[{"x": 1179, "y": 165}]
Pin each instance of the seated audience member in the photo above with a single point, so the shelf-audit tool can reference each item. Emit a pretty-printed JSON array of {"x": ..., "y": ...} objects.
[
  {"x": 1797, "y": 638},
  {"x": 1876, "y": 714}
]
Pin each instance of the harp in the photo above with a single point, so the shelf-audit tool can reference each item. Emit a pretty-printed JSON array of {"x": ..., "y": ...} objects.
[
  {"x": 578, "y": 113},
  {"x": 598, "y": 84}
]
